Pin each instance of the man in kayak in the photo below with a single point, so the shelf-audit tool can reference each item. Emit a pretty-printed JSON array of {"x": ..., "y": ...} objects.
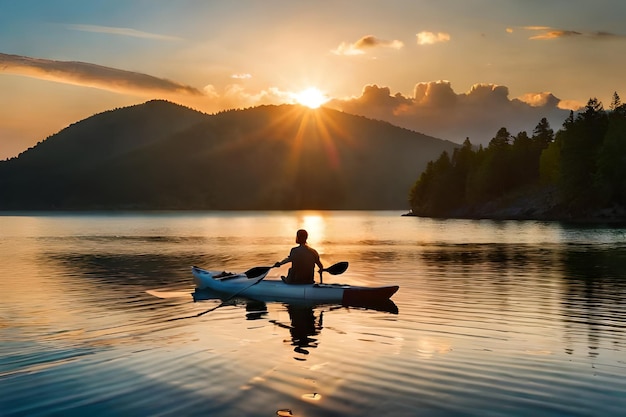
[{"x": 303, "y": 259}]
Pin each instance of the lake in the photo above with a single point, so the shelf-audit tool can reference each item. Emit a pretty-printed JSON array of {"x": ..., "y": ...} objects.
[{"x": 494, "y": 318}]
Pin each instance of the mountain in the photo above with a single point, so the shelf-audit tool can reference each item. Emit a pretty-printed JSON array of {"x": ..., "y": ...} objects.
[{"x": 159, "y": 155}]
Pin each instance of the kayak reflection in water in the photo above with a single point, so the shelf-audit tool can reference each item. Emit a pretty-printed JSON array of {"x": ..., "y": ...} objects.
[
  {"x": 303, "y": 327},
  {"x": 255, "y": 310},
  {"x": 303, "y": 259}
]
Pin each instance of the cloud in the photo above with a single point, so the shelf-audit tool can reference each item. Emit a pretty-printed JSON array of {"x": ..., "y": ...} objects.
[
  {"x": 571, "y": 105},
  {"x": 605, "y": 35},
  {"x": 430, "y": 38},
  {"x": 437, "y": 110},
  {"x": 539, "y": 99},
  {"x": 241, "y": 76},
  {"x": 236, "y": 96},
  {"x": 210, "y": 91},
  {"x": 122, "y": 32},
  {"x": 91, "y": 75},
  {"x": 366, "y": 42},
  {"x": 554, "y": 34},
  {"x": 548, "y": 33},
  {"x": 537, "y": 27}
]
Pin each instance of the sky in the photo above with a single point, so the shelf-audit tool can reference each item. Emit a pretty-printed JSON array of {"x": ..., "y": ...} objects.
[{"x": 452, "y": 69}]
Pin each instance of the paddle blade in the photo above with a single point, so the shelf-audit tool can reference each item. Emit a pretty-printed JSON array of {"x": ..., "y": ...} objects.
[
  {"x": 256, "y": 271},
  {"x": 338, "y": 268}
]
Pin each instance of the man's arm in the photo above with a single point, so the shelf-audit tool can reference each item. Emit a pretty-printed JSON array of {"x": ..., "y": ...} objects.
[
  {"x": 318, "y": 261},
  {"x": 284, "y": 261}
]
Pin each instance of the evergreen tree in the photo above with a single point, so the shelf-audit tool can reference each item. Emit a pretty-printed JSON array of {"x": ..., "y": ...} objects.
[
  {"x": 616, "y": 102},
  {"x": 502, "y": 138},
  {"x": 585, "y": 161},
  {"x": 524, "y": 161},
  {"x": 463, "y": 160},
  {"x": 550, "y": 163},
  {"x": 610, "y": 177},
  {"x": 581, "y": 141},
  {"x": 543, "y": 135}
]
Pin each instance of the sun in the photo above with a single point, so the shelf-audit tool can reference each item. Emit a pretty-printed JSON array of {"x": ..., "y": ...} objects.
[{"x": 311, "y": 97}]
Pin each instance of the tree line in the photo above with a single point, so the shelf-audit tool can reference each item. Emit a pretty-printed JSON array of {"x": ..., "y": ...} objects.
[{"x": 583, "y": 166}]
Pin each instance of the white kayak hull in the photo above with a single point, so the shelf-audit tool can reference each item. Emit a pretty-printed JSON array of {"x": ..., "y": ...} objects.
[{"x": 276, "y": 290}]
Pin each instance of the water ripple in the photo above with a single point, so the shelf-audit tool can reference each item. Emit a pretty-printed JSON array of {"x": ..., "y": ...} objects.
[{"x": 495, "y": 319}]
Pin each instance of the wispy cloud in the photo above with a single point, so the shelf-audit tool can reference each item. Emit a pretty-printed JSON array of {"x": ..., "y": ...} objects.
[
  {"x": 366, "y": 42},
  {"x": 548, "y": 33},
  {"x": 243, "y": 76},
  {"x": 122, "y": 32},
  {"x": 91, "y": 75},
  {"x": 555, "y": 34},
  {"x": 430, "y": 38}
]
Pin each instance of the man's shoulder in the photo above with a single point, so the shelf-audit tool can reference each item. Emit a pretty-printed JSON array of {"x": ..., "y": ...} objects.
[
  {"x": 312, "y": 250},
  {"x": 304, "y": 248}
]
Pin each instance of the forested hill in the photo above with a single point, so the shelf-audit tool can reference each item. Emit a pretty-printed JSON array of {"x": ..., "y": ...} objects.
[
  {"x": 577, "y": 174},
  {"x": 159, "y": 155}
]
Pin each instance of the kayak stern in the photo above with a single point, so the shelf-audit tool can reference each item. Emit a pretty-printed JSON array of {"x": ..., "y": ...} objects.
[{"x": 364, "y": 295}]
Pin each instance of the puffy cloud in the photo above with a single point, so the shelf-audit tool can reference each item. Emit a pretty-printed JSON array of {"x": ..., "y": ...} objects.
[
  {"x": 540, "y": 99},
  {"x": 429, "y": 38},
  {"x": 570, "y": 105},
  {"x": 435, "y": 94},
  {"x": 487, "y": 94},
  {"x": 374, "y": 96},
  {"x": 91, "y": 75},
  {"x": 237, "y": 96},
  {"x": 435, "y": 109},
  {"x": 366, "y": 42},
  {"x": 210, "y": 91}
]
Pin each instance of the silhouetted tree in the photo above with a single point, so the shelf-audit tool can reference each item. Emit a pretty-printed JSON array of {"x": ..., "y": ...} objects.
[
  {"x": 550, "y": 163},
  {"x": 584, "y": 162},
  {"x": 502, "y": 138},
  {"x": 581, "y": 142},
  {"x": 616, "y": 102},
  {"x": 524, "y": 160},
  {"x": 543, "y": 134},
  {"x": 434, "y": 191},
  {"x": 610, "y": 178}
]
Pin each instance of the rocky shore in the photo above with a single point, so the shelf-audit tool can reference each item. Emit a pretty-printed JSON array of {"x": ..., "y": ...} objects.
[{"x": 540, "y": 205}]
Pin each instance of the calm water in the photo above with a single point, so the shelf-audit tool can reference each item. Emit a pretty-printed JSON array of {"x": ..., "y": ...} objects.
[{"x": 495, "y": 318}]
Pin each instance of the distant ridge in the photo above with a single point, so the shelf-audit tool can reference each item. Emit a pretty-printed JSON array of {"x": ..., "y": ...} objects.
[{"x": 160, "y": 155}]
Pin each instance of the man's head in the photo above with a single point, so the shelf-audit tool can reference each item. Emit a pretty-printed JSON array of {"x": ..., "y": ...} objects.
[{"x": 301, "y": 236}]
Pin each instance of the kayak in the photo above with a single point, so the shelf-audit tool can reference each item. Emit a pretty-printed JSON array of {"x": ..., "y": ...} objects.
[{"x": 257, "y": 288}]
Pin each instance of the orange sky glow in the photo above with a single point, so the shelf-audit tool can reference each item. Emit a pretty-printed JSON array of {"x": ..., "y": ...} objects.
[{"x": 446, "y": 69}]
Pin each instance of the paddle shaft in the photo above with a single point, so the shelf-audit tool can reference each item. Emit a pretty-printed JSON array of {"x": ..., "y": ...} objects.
[{"x": 246, "y": 287}]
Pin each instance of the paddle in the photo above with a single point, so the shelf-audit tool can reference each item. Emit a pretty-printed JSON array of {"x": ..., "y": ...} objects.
[
  {"x": 257, "y": 270},
  {"x": 336, "y": 269},
  {"x": 252, "y": 273}
]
